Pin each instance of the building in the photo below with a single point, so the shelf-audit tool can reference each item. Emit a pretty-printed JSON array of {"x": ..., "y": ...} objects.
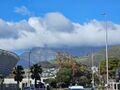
[{"x": 8, "y": 60}]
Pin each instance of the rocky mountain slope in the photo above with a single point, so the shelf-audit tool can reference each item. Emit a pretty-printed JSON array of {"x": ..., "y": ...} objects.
[{"x": 39, "y": 54}]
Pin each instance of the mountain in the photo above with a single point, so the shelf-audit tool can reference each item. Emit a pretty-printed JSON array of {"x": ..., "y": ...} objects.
[
  {"x": 100, "y": 55},
  {"x": 47, "y": 64},
  {"x": 82, "y": 54},
  {"x": 36, "y": 55},
  {"x": 40, "y": 54}
]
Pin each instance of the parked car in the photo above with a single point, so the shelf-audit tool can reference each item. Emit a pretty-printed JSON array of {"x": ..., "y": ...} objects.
[
  {"x": 29, "y": 88},
  {"x": 76, "y": 88}
]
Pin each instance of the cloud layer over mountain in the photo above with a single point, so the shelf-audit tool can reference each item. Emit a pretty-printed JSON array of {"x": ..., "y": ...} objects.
[{"x": 55, "y": 30}]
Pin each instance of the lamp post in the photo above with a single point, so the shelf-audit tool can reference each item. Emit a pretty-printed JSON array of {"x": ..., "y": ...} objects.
[
  {"x": 106, "y": 44},
  {"x": 93, "y": 83},
  {"x": 29, "y": 68}
]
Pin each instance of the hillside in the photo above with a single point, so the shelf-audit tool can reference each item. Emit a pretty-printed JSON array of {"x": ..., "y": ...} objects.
[
  {"x": 41, "y": 54},
  {"x": 47, "y": 64},
  {"x": 46, "y": 56},
  {"x": 100, "y": 55}
]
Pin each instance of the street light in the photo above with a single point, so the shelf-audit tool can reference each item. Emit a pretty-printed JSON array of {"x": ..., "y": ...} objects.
[
  {"x": 93, "y": 83},
  {"x": 29, "y": 59},
  {"x": 29, "y": 69},
  {"x": 106, "y": 42}
]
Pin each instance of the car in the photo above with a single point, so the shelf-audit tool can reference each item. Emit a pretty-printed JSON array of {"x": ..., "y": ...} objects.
[
  {"x": 28, "y": 88},
  {"x": 76, "y": 88}
]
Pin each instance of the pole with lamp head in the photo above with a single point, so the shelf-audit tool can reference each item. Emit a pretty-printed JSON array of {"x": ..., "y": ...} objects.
[
  {"x": 29, "y": 64},
  {"x": 106, "y": 50}
]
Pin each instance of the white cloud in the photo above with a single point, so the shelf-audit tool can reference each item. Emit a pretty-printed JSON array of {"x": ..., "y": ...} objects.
[
  {"x": 59, "y": 23},
  {"x": 23, "y": 10},
  {"x": 55, "y": 30}
]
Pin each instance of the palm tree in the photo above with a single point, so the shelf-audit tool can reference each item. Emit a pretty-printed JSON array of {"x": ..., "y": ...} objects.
[
  {"x": 36, "y": 70},
  {"x": 18, "y": 74}
]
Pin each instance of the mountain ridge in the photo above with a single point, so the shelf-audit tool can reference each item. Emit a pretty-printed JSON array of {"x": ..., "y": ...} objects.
[
  {"x": 113, "y": 51},
  {"x": 39, "y": 54}
]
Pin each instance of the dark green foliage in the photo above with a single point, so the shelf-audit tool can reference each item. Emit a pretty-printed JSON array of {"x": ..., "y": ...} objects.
[
  {"x": 113, "y": 64},
  {"x": 52, "y": 82},
  {"x": 71, "y": 71},
  {"x": 64, "y": 75},
  {"x": 18, "y": 73},
  {"x": 36, "y": 70},
  {"x": 82, "y": 77}
]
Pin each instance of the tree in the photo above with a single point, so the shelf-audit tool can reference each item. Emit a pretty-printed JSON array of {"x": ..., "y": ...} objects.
[
  {"x": 68, "y": 61},
  {"x": 113, "y": 65},
  {"x": 64, "y": 75},
  {"x": 52, "y": 82},
  {"x": 36, "y": 70},
  {"x": 70, "y": 70},
  {"x": 18, "y": 74}
]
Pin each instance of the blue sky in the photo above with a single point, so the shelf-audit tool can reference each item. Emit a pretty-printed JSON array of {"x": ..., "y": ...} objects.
[
  {"x": 76, "y": 10},
  {"x": 58, "y": 23}
]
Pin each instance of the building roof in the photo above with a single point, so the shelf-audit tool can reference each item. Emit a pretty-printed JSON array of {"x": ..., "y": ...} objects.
[{"x": 8, "y": 60}]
